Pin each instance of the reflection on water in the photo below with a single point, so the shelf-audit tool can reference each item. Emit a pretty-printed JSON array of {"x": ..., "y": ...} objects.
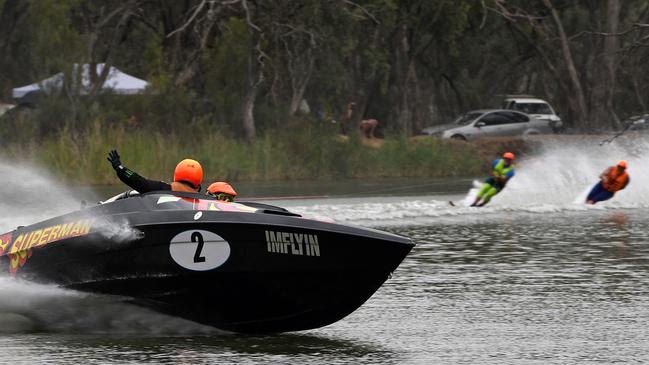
[
  {"x": 535, "y": 289},
  {"x": 302, "y": 348}
]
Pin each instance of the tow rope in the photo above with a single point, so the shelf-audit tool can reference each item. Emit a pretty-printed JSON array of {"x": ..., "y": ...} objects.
[{"x": 609, "y": 140}]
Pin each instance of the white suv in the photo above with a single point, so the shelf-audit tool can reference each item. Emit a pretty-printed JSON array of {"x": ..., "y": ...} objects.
[{"x": 537, "y": 108}]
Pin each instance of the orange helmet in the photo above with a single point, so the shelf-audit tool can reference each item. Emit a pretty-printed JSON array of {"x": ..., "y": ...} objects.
[
  {"x": 221, "y": 187},
  {"x": 221, "y": 191},
  {"x": 509, "y": 155},
  {"x": 189, "y": 171},
  {"x": 622, "y": 164}
]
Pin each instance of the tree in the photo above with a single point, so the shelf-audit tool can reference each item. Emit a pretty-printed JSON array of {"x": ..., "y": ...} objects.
[
  {"x": 13, "y": 14},
  {"x": 568, "y": 41}
]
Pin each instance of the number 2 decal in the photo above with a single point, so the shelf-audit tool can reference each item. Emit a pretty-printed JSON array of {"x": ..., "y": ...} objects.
[
  {"x": 196, "y": 236},
  {"x": 199, "y": 250}
]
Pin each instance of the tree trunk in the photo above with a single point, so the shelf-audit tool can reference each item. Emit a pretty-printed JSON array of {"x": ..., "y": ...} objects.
[
  {"x": 401, "y": 67},
  {"x": 11, "y": 15},
  {"x": 255, "y": 78},
  {"x": 407, "y": 115},
  {"x": 299, "y": 81},
  {"x": 579, "y": 101},
  {"x": 418, "y": 109},
  {"x": 602, "y": 113},
  {"x": 610, "y": 57},
  {"x": 97, "y": 80},
  {"x": 248, "y": 111},
  {"x": 458, "y": 95},
  {"x": 638, "y": 93}
]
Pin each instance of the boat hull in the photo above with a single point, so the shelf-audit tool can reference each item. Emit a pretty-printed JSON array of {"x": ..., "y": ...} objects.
[{"x": 241, "y": 272}]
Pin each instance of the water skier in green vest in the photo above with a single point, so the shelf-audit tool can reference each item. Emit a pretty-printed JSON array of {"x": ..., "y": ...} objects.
[{"x": 502, "y": 171}]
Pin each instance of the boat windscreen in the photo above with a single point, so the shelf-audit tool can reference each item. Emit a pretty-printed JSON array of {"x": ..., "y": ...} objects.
[
  {"x": 124, "y": 195},
  {"x": 173, "y": 202}
]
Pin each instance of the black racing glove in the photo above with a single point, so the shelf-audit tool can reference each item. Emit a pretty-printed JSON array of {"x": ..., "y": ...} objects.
[{"x": 113, "y": 157}]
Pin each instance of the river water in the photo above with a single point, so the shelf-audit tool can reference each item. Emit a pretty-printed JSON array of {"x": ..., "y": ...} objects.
[{"x": 536, "y": 277}]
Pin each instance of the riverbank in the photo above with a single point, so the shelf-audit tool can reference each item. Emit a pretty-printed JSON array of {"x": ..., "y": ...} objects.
[{"x": 311, "y": 153}]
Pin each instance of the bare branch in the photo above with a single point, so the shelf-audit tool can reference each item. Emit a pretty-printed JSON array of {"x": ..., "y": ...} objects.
[
  {"x": 210, "y": 16},
  {"x": 642, "y": 42},
  {"x": 517, "y": 13},
  {"x": 113, "y": 13},
  {"x": 634, "y": 28},
  {"x": 244, "y": 3},
  {"x": 367, "y": 13},
  {"x": 484, "y": 14},
  {"x": 292, "y": 29},
  {"x": 190, "y": 20}
]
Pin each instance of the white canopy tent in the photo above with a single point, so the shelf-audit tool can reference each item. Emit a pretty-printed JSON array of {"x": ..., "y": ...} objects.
[{"x": 116, "y": 82}]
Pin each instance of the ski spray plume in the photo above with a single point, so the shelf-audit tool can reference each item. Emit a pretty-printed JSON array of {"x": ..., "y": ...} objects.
[
  {"x": 564, "y": 171},
  {"x": 29, "y": 307},
  {"x": 554, "y": 178},
  {"x": 30, "y": 196}
]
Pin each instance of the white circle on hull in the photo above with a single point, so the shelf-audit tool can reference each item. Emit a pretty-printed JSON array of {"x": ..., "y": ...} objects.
[{"x": 199, "y": 250}]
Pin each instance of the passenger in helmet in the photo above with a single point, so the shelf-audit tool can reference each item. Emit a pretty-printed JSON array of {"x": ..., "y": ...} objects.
[
  {"x": 502, "y": 171},
  {"x": 221, "y": 191},
  {"x": 188, "y": 176}
]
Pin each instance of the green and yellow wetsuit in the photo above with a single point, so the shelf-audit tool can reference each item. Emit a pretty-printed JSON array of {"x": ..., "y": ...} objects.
[{"x": 500, "y": 174}]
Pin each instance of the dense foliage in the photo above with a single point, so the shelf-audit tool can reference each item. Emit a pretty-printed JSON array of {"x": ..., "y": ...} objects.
[
  {"x": 243, "y": 67},
  {"x": 312, "y": 151}
]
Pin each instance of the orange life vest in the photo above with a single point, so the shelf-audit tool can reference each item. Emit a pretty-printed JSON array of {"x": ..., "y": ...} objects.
[
  {"x": 615, "y": 182},
  {"x": 178, "y": 186}
]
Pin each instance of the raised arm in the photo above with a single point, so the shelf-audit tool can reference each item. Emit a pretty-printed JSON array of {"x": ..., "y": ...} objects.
[{"x": 133, "y": 179}]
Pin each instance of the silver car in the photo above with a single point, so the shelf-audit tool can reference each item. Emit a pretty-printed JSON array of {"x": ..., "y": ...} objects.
[{"x": 490, "y": 123}]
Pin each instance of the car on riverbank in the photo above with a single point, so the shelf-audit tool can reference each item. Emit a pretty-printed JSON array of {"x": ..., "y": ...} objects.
[
  {"x": 637, "y": 123},
  {"x": 490, "y": 123},
  {"x": 534, "y": 107},
  {"x": 5, "y": 108}
]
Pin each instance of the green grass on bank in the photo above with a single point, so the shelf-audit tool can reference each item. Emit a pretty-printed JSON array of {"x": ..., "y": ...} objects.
[{"x": 306, "y": 151}]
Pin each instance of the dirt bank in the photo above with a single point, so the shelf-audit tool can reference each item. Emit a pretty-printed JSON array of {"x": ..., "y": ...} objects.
[{"x": 490, "y": 148}]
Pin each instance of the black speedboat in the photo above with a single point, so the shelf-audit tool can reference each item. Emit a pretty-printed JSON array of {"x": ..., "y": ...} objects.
[{"x": 242, "y": 267}]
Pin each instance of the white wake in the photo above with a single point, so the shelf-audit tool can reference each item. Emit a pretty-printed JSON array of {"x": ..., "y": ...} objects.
[{"x": 555, "y": 179}]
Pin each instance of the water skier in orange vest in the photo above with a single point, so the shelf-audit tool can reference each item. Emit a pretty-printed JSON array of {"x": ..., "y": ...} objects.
[{"x": 612, "y": 180}]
